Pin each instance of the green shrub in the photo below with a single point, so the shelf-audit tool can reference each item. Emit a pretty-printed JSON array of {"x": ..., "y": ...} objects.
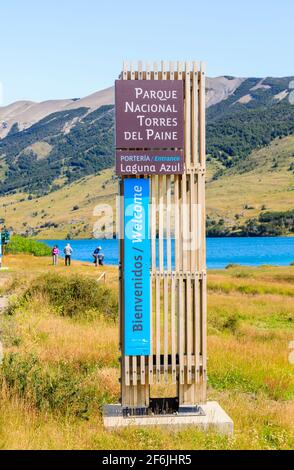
[
  {"x": 232, "y": 265},
  {"x": 19, "y": 244},
  {"x": 75, "y": 295},
  {"x": 60, "y": 388},
  {"x": 222, "y": 320}
]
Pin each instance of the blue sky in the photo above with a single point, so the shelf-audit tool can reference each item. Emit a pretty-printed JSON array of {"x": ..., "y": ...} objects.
[{"x": 69, "y": 48}]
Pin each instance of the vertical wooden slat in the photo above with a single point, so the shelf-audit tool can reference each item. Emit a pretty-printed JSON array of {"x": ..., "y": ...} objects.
[
  {"x": 148, "y": 71},
  {"x": 134, "y": 370},
  {"x": 195, "y": 157},
  {"x": 140, "y": 70},
  {"x": 202, "y": 251},
  {"x": 157, "y": 300},
  {"x": 173, "y": 329},
  {"x": 202, "y": 150},
  {"x": 171, "y": 71},
  {"x": 161, "y": 180},
  {"x": 184, "y": 222},
  {"x": 204, "y": 333},
  {"x": 181, "y": 325},
  {"x": 153, "y": 222},
  {"x": 180, "y": 70},
  {"x": 199, "y": 222},
  {"x": 193, "y": 226},
  {"x": 177, "y": 221},
  {"x": 155, "y": 73},
  {"x": 168, "y": 222},
  {"x": 133, "y": 73},
  {"x": 163, "y": 70},
  {"x": 150, "y": 358},
  {"x": 165, "y": 328},
  {"x": 202, "y": 217},
  {"x": 197, "y": 326},
  {"x": 187, "y": 116},
  {"x": 180, "y": 74},
  {"x": 189, "y": 329},
  {"x": 125, "y": 71},
  {"x": 166, "y": 279}
]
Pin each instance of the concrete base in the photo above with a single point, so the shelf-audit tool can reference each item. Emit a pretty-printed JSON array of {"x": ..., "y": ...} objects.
[{"x": 213, "y": 418}]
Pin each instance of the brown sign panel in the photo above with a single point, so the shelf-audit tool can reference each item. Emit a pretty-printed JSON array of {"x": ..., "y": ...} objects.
[
  {"x": 149, "y": 162},
  {"x": 149, "y": 114}
]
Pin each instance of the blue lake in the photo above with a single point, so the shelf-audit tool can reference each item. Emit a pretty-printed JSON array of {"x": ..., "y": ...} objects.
[{"x": 277, "y": 251}]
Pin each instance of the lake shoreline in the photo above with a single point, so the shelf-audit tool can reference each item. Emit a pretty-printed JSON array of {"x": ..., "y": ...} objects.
[{"x": 221, "y": 252}]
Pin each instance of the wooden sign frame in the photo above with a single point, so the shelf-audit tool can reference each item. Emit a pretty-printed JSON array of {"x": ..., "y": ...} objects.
[{"x": 177, "y": 289}]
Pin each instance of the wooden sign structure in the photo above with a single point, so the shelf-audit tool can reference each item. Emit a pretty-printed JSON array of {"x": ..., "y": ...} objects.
[{"x": 178, "y": 259}]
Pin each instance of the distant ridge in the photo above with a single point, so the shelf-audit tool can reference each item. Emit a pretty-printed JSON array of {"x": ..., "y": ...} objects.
[
  {"x": 26, "y": 113},
  {"x": 46, "y": 146}
]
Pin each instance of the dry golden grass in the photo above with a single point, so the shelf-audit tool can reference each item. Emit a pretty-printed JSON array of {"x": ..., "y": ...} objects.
[
  {"x": 252, "y": 183},
  {"x": 57, "y": 207},
  {"x": 250, "y": 325}
]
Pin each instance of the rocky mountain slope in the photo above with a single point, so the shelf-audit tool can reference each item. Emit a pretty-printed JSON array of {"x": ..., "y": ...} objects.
[
  {"x": 44, "y": 150},
  {"x": 48, "y": 150},
  {"x": 24, "y": 114}
]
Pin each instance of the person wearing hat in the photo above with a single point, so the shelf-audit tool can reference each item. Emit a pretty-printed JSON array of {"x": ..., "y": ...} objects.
[{"x": 96, "y": 253}]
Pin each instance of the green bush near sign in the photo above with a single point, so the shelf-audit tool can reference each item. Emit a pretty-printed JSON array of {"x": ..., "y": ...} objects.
[{"x": 19, "y": 244}]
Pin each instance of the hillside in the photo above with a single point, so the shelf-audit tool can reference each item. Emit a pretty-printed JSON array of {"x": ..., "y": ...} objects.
[
  {"x": 24, "y": 114},
  {"x": 75, "y": 148},
  {"x": 55, "y": 166},
  {"x": 67, "y": 212},
  {"x": 77, "y": 141},
  {"x": 263, "y": 183}
]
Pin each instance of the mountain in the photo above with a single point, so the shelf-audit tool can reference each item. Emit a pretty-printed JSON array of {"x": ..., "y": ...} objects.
[
  {"x": 258, "y": 187},
  {"x": 49, "y": 149},
  {"x": 23, "y": 114}
]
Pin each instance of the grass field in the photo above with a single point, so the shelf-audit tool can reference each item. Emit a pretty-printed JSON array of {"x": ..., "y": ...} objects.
[
  {"x": 59, "y": 367},
  {"x": 264, "y": 179},
  {"x": 69, "y": 211}
]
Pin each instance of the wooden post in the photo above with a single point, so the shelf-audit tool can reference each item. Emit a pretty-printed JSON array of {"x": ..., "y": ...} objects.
[{"x": 177, "y": 270}]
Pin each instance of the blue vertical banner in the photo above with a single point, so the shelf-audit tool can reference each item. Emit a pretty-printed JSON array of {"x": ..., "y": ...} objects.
[{"x": 136, "y": 267}]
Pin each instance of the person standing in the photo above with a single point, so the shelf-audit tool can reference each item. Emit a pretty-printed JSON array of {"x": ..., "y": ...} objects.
[
  {"x": 55, "y": 253},
  {"x": 96, "y": 255},
  {"x": 68, "y": 252},
  {"x": 101, "y": 258}
]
